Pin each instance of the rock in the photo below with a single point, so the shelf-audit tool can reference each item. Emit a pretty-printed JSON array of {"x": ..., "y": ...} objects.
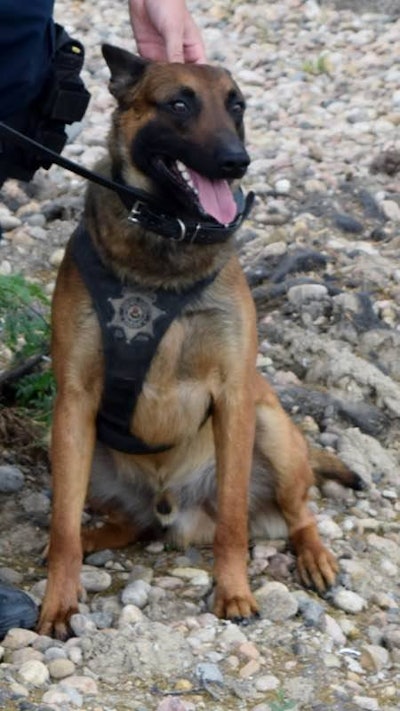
[
  {"x": 374, "y": 658},
  {"x": 299, "y": 260},
  {"x": 231, "y": 636},
  {"x": 100, "y": 558},
  {"x": 130, "y": 615},
  {"x": 58, "y": 698},
  {"x": 19, "y": 656},
  {"x": 250, "y": 669},
  {"x": 305, "y": 292},
  {"x": 282, "y": 186},
  {"x": 391, "y": 210},
  {"x": 195, "y": 575},
  {"x": 60, "y": 668},
  {"x": 136, "y": 593},
  {"x": 10, "y": 576},
  {"x": 81, "y": 624},
  {"x": 349, "y": 601},
  {"x": 33, "y": 672},
  {"x": 85, "y": 685},
  {"x": 55, "y": 653},
  {"x": 276, "y": 602},
  {"x": 56, "y": 257},
  {"x": 249, "y": 650},
  {"x": 347, "y": 223},
  {"x": 366, "y": 702},
  {"x": 267, "y": 683},
  {"x": 94, "y": 580},
  {"x": 312, "y": 611},
  {"x": 333, "y": 629},
  {"x": 210, "y": 673},
  {"x": 329, "y": 528},
  {"x": 17, "y": 638},
  {"x": 8, "y": 221},
  {"x": 11, "y": 479}
]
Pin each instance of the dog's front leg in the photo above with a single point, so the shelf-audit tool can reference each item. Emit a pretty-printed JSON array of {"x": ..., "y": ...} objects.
[
  {"x": 72, "y": 450},
  {"x": 234, "y": 427}
]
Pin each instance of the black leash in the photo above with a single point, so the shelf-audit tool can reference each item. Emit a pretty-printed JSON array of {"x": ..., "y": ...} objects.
[
  {"x": 143, "y": 207},
  {"x": 24, "y": 141}
]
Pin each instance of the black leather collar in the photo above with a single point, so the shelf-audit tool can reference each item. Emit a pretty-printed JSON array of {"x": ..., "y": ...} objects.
[{"x": 146, "y": 213}]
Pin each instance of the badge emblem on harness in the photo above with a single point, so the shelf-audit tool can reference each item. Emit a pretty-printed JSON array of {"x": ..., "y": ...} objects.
[{"x": 134, "y": 315}]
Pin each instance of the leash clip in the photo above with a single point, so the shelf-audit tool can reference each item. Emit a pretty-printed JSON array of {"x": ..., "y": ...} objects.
[{"x": 135, "y": 212}]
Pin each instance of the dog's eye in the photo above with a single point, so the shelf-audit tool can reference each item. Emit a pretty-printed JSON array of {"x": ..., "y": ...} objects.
[
  {"x": 237, "y": 108},
  {"x": 179, "y": 107}
]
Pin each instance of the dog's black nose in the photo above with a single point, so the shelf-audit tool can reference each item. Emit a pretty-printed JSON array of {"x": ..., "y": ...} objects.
[{"x": 232, "y": 161}]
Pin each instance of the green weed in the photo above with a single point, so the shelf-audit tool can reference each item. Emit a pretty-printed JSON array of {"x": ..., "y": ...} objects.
[
  {"x": 321, "y": 65},
  {"x": 281, "y": 703},
  {"x": 25, "y": 331}
]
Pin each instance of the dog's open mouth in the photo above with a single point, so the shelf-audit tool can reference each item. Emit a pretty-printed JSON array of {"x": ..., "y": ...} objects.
[{"x": 209, "y": 197}]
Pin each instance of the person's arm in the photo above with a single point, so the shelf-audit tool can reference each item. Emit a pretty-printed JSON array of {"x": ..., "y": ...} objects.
[{"x": 165, "y": 31}]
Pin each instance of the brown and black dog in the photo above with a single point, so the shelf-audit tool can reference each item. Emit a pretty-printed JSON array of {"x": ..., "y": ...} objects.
[{"x": 203, "y": 448}]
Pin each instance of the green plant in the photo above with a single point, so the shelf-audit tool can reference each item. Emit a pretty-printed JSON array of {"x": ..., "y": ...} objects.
[
  {"x": 281, "y": 703},
  {"x": 35, "y": 392},
  {"x": 25, "y": 331},
  {"x": 24, "y": 309},
  {"x": 321, "y": 65}
]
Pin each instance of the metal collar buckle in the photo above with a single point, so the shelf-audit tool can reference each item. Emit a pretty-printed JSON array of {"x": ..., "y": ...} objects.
[
  {"x": 135, "y": 212},
  {"x": 182, "y": 228}
]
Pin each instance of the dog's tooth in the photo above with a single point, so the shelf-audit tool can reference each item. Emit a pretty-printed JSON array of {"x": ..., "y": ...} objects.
[
  {"x": 181, "y": 166},
  {"x": 186, "y": 175}
]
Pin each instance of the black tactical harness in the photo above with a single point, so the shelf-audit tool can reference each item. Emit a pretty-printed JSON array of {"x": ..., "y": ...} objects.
[{"x": 133, "y": 322}]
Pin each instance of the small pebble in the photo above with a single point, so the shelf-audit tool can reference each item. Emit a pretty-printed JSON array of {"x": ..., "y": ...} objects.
[
  {"x": 305, "y": 292},
  {"x": 136, "y": 593},
  {"x": 267, "y": 683},
  {"x": 11, "y": 479},
  {"x": 349, "y": 601},
  {"x": 60, "y": 668},
  {"x": 81, "y": 624},
  {"x": 374, "y": 658},
  {"x": 94, "y": 580},
  {"x": 276, "y": 602}
]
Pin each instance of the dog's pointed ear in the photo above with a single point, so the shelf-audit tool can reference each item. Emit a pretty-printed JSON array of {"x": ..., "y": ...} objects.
[{"x": 126, "y": 69}]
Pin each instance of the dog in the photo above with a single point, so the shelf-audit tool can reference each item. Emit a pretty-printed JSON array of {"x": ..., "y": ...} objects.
[{"x": 187, "y": 439}]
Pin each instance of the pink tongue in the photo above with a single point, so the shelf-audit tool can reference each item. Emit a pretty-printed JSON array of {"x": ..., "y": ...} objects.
[{"x": 215, "y": 197}]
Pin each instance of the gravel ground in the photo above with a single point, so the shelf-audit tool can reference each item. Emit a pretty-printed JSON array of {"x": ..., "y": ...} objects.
[{"x": 322, "y": 254}]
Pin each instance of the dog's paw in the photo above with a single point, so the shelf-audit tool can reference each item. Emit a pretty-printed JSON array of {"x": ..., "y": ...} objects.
[
  {"x": 55, "y": 625},
  {"x": 317, "y": 567},
  {"x": 57, "y": 610},
  {"x": 237, "y": 607}
]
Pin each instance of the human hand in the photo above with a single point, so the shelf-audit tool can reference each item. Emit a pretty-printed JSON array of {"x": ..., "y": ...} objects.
[{"x": 165, "y": 31}]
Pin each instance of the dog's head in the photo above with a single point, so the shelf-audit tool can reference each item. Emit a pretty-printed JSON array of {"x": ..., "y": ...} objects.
[{"x": 178, "y": 132}]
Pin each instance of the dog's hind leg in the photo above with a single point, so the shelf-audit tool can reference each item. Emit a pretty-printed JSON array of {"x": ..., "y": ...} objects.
[
  {"x": 283, "y": 448},
  {"x": 117, "y": 532}
]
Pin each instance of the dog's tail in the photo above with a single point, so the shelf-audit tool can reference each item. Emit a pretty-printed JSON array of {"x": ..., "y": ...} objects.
[{"x": 327, "y": 465}]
